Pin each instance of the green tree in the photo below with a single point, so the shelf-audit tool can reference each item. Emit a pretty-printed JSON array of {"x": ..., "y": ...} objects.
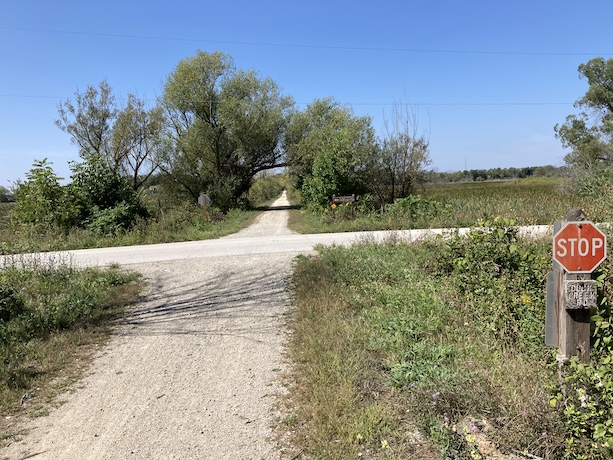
[
  {"x": 5, "y": 194},
  {"x": 227, "y": 125},
  {"x": 127, "y": 138},
  {"x": 589, "y": 134},
  {"x": 40, "y": 197},
  {"x": 404, "y": 154},
  {"x": 329, "y": 151}
]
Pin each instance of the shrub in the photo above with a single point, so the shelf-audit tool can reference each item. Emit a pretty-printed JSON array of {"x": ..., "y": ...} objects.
[
  {"x": 11, "y": 304},
  {"x": 39, "y": 197},
  {"x": 501, "y": 277}
]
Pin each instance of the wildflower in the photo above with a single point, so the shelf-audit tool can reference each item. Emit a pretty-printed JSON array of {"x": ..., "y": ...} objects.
[
  {"x": 445, "y": 423},
  {"x": 474, "y": 428},
  {"x": 436, "y": 395}
]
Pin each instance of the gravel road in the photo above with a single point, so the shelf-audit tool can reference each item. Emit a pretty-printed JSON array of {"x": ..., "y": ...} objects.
[{"x": 192, "y": 372}]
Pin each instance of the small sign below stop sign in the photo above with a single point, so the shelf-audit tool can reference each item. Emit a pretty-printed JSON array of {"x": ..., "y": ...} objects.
[{"x": 579, "y": 247}]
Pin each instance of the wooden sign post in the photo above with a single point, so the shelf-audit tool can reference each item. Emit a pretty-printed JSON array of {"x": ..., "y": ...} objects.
[
  {"x": 578, "y": 248},
  {"x": 336, "y": 200}
]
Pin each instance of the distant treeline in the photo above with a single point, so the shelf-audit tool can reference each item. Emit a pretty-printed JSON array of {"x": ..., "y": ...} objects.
[{"x": 472, "y": 175}]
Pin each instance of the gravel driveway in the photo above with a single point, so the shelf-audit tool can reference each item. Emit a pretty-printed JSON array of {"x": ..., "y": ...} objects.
[{"x": 193, "y": 371}]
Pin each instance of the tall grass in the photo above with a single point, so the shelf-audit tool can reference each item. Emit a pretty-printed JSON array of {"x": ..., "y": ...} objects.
[
  {"x": 527, "y": 201},
  {"x": 534, "y": 201},
  {"x": 178, "y": 223},
  {"x": 423, "y": 351}
]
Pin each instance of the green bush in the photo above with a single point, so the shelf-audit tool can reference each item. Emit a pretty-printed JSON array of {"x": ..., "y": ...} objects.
[
  {"x": 11, "y": 303},
  {"x": 40, "y": 197},
  {"x": 501, "y": 277},
  {"x": 266, "y": 187},
  {"x": 416, "y": 207},
  {"x": 97, "y": 198}
]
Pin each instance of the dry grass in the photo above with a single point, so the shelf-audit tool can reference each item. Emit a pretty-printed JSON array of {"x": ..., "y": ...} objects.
[{"x": 391, "y": 361}]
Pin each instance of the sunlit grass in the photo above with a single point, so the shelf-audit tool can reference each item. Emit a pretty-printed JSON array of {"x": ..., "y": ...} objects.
[
  {"x": 50, "y": 317},
  {"x": 392, "y": 361},
  {"x": 526, "y": 201}
]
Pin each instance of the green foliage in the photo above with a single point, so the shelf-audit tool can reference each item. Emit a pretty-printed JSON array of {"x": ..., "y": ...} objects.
[
  {"x": 416, "y": 208},
  {"x": 11, "y": 303},
  {"x": 328, "y": 150},
  {"x": 266, "y": 187},
  {"x": 485, "y": 266},
  {"x": 590, "y": 133},
  {"x": 100, "y": 199},
  {"x": 331, "y": 175},
  {"x": 97, "y": 198},
  {"x": 226, "y": 124},
  {"x": 448, "y": 332},
  {"x": 598, "y": 189},
  {"x": 5, "y": 195},
  {"x": 39, "y": 198},
  {"x": 38, "y": 301}
]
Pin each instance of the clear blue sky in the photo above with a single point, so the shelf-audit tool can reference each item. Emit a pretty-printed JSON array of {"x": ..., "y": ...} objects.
[{"x": 489, "y": 79}]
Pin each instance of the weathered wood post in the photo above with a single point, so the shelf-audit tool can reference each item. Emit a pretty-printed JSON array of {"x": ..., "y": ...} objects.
[{"x": 578, "y": 248}]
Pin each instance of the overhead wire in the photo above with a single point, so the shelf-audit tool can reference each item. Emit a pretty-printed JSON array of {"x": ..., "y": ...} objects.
[
  {"x": 296, "y": 45},
  {"x": 330, "y": 47}
]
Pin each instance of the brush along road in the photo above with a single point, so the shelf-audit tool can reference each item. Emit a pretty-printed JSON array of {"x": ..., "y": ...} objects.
[{"x": 193, "y": 370}]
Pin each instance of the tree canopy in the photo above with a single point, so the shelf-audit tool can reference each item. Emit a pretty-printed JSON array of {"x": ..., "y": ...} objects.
[
  {"x": 227, "y": 125},
  {"x": 128, "y": 139},
  {"x": 589, "y": 134},
  {"x": 329, "y": 150},
  {"x": 216, "y": 127}
]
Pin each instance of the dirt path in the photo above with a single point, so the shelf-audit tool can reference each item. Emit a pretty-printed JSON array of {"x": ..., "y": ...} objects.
[{"x": 191, "y": 374}]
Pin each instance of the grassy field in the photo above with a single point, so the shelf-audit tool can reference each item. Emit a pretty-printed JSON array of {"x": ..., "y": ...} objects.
[
  {"x": 436, "y": 350},
  {"x": 432, "y": 351},
  {"x": 526, "y": 201},
  {"x": 182, "y": 223}
]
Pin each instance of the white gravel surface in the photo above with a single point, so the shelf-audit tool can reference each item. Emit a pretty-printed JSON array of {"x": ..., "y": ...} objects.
[{"x": 192, "y": 373}]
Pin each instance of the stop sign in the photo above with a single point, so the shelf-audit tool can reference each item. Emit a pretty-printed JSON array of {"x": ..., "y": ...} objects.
[{"x": 579, "y": 247}]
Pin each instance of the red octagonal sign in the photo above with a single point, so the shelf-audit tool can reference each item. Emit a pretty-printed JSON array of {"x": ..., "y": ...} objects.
[{"x": 579, "y": 247}]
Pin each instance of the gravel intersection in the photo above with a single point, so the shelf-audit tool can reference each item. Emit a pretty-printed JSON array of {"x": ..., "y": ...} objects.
[{"x": 192, "y": 372}]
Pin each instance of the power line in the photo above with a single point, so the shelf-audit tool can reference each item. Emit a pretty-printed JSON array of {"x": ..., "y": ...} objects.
[
  {"x": 310, "y": 46},
  {"x": 474, "y": 103}
]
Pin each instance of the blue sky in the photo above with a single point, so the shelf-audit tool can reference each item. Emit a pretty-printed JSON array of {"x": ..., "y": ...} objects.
[{"x": 488, "y": 79}]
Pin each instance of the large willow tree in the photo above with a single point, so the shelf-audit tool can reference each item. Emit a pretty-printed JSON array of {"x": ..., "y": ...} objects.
[{"x": 227, "y": 125}]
